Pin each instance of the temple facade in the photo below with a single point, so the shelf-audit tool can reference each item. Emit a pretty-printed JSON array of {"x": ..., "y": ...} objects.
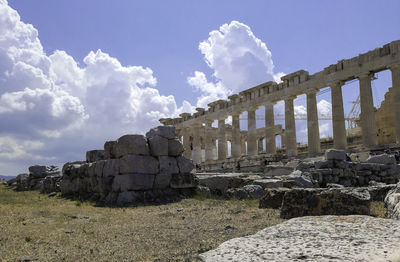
[{"x": 205, "y": 143}]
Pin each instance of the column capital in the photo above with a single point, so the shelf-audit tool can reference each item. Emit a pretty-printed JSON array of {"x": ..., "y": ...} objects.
[
  {"x": 311, "y": 91},
  {"x": 336, "y": 83},
  {"x": 289, "y": 97},
  {"x": 253, "y": 108},
  {"x": 364, "y": 75},
  {"x": 238, "y": 113},
  {"x": 270, "y": 103}
]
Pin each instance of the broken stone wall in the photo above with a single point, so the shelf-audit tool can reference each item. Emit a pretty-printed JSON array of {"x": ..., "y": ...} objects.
[{"x": 132, "y": 169}]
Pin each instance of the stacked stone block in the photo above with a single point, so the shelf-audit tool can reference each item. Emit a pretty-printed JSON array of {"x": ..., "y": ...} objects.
[
  {"x": 38, "y": 178},
  {"x": 133, "y": 169},
  {"x": 336, "y": 170}
]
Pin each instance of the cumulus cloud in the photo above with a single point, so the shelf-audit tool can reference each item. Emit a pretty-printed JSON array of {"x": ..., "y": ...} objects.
[
  {"x": 48, "y": 103},
  {"x": 238, "y": 59}
]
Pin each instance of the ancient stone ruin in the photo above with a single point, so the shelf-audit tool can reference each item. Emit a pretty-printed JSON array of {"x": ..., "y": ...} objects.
[
  {"x": 46, "y": 179},
  {"x": 378, "y": 128},
  {"x": 133, "y": 169}
]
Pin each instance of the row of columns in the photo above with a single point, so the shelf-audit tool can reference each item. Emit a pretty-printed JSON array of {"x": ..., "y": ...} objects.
[{"x": 367, "y": 119}]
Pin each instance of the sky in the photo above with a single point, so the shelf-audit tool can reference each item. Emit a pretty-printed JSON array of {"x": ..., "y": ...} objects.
[{"x": 74, "y": 74}]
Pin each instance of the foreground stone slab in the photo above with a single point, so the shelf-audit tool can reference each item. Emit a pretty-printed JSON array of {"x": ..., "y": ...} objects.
[
  {"x": 325, "y": 238},
  {"x": 392, "y": 203},
  {"x": 334, "y": 201}
]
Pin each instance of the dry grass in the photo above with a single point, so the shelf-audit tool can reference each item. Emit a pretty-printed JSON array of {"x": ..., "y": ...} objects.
[
  {"x": 36, "y": 227},
  {"x": 377, "y": 209}
]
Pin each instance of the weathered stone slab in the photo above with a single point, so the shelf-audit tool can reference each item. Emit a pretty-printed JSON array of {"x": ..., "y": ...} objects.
[
  {"x": 95, "y": 155},
  {"x": 168, "y": 165},
  {"x": 298, "y": 179},
  {"x": 220, "y": 183},
  {"x": 272, "y": 197},
  {"x": 185, "y": 165},
  {"x": 180, "y": 180},
  {"x": 38, "y": 171},
  {"x": 175, "y": 147},
  {"x": 100, "y": 167},
  {"x": 111, "y": 168},
  {"x": 158, "y": 145},
  {"x": 162, "y": 180},
  {"x": 379, "y": 192},
  {"x": 392, "y": 203},
  {"x": 272, "y": 170},
  {"x": 268, "y": 183},
  {"x": 238, "y": 193},
  {"x": 130, "y": 182},
  {"x": 131, "y": 145},
  {"x": 167, "y": 132},
  {"x": 129, "y": 164},
  {"x": 317, "y": 202},
  {"x": 382, "y": 159},
  {"x": 51, "y": 183},
  {"x": 109, "y": 149},
  {"x": 254, "y": 191},
  {"x": 335, "y": 154},
  {"x": 323, "y": 239}
]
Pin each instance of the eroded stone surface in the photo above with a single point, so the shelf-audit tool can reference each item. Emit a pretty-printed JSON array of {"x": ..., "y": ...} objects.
[
  {"x": 138, "y": 164},
  {"x": 315, "y": 202},
  {"x": 325, "y": 238},
  {"x": 167, "y": 132},
  {"x": 131, "y": 145}
]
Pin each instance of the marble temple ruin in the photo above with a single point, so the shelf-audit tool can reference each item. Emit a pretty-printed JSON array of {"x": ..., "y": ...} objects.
[{"x": 204, "y": 143}]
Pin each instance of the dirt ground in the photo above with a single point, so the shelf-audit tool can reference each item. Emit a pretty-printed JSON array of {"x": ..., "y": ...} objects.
[{"x": 34, "y": 227}]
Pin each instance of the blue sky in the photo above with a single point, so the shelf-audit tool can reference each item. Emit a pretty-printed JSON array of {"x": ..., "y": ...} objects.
[{"x": 163, "y": 37}]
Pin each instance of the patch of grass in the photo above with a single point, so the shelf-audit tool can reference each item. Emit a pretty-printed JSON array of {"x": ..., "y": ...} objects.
[
  {"x": 58, "y": 229},
  {"x": 377, "y": 209}
]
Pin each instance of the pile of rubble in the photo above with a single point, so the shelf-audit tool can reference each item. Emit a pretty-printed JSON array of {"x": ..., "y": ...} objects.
[
  {"x": 42, "y": 178},
  {"x": 335, "y": 169},
  {"x": 133, "y": 169}
]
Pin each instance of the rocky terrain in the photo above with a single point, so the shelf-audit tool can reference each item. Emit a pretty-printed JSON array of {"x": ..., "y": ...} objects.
[
  {"x": 319, "y": 196},
  {"x": 325, "y": 238}
]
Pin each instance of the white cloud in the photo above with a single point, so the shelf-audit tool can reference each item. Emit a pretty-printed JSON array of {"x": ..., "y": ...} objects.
[
  {"x": 238, "y": 59},
  {"x": 210, "y": 91},
  {"x": 66, "y": 108}
]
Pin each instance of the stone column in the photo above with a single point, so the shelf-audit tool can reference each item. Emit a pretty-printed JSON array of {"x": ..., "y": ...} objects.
[
  {"x": 186, "y": 143},
  {"x": 396, "y": 98},
  {"x": 290, "y": 128},
  {"x": 270, "y": 142},
  {"x": 251, "y": 133},
  {"x": 260, "y": 146},
  {"x": 367, "y": 115},
  {"x": 243, "y": 146},
  {"x": 314, "y": 145},
  {"x": 196, "y": 153},
  {"x": 221, "y": 140},
  {"x": 209, "y": 154},
  {"x": 338, "y": 125},
  {"x": 235, "y": 145},
  {"x": 214, "y": 148}
]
